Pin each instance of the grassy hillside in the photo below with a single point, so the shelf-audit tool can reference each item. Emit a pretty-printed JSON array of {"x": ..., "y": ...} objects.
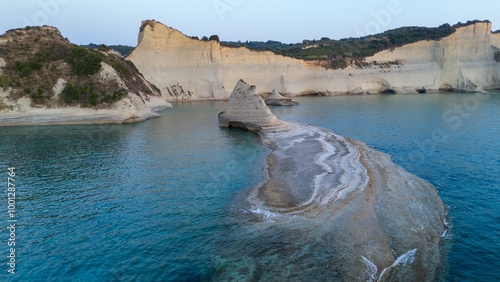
[{"x": 38, "y": 57}]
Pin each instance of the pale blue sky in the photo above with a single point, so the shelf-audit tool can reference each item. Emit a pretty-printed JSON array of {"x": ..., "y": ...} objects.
[{"x": 290, "y": 21}]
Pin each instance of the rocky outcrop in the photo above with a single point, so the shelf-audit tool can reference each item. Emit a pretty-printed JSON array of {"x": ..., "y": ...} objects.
[
  {"x": 246, "y": 109},
  {"x": 382, "y": 223},
  {"x": 276, "y": 99},
  {"x": 44, "y": 79},
  {"x": 464, "y": 60}
]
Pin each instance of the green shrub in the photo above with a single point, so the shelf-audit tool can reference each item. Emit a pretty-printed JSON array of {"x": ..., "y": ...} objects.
[
  {"x": 26, "y": 68},
  {"x": 87, "y": 96},
  {"x": 17, "y": 81},
  {"x": 338, "y": 64},
  {"x": 37, "y": 96},
  {"x": 5, "y": 82},
  {"x": 459, "y": 24},
  {"x": 44, "y": 55},
  {"x": 131, "y": 65},
  {"x": 51, "y": 53},
  {"x": 117, "y": 95},
  {"x": 77, "y": 94},
  {"x": 113, "y": 97},
  {"x": 120, "y": 68},
  {"x": 93, "y": 99},
  {"x": 155, "y": 88},
  {"x": 104, "y": 48},
  {"x": 84, "y": 61},
  {"x": 143, "y": 25}
]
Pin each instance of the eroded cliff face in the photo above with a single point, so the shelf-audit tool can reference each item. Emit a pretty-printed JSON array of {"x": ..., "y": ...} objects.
[
  {"x": 183, "y": 68},
  {"x": 463, "y": 61},
  {"x": 189, "y": 69}
]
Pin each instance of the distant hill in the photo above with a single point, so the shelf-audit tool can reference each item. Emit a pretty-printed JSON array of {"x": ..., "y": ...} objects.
[
  {"x": 340, "y": 53},
  {"x": 122, "y": 49}
]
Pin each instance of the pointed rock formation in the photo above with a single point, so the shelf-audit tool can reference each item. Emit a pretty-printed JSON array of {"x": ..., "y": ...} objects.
[
  {"x": 246, "y": 109},
  {"x": 275, "y": 99}
]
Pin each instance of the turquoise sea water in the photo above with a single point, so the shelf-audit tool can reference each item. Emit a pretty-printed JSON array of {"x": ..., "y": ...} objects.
[{"x": 164, "y": 200}]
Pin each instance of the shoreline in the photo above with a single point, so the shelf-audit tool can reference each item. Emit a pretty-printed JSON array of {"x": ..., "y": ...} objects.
[
  {"x": 340, "y": 95},
  {"x": 198, "y": 100},
  {"x": 69, "y": 116}
]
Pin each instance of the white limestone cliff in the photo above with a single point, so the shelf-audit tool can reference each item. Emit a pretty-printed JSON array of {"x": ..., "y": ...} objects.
[
  {"x": 463, "y": 60},
  {"x": 191, "y": 69}
]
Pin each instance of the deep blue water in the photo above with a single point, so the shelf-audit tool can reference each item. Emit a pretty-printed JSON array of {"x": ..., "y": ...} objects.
[
  {"x": 453, "y": 141},
  {"x": 164, "y": 200}
]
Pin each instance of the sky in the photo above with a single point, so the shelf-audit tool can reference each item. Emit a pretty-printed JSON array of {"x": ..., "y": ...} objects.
[{"x": 290, "y": 21}]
